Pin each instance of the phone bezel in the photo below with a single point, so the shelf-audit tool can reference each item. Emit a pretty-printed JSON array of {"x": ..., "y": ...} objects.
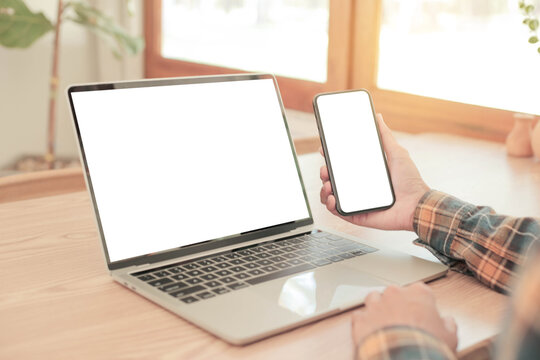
[{"x": 327, "y": 158}]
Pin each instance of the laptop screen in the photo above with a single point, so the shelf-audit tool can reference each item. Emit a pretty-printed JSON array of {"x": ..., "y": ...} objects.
[{"x": 180, "y": 164}]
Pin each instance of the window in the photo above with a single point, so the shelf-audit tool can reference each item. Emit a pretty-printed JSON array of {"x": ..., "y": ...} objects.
[
  {"x": 456, "y": 66},
  {"x": 305, "y": 43}
]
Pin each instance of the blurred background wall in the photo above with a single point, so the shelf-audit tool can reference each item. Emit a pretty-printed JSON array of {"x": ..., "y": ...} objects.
[{"x": 24, "y": 80}]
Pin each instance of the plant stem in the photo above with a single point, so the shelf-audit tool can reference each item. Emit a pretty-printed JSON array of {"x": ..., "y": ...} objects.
[{"x": 53, "y": 86}]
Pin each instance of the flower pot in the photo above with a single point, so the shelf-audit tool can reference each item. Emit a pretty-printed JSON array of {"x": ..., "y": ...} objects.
[{"x": 518, "y": 142}]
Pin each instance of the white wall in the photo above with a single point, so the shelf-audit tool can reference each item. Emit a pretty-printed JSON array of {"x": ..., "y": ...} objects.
[{"x": 24, "y": 80}]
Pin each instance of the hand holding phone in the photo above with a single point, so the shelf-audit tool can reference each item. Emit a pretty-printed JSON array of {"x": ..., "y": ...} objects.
[{"x": 353, "y": 151}]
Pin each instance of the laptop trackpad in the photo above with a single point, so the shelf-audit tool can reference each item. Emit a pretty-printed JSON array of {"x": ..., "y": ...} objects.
[{"x": 320, "y": 290}]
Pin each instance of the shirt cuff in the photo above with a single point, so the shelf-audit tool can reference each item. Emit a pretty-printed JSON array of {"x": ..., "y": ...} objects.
[
  {"x": 402, "y": 342},
  {"x": 437, "y": 219}
]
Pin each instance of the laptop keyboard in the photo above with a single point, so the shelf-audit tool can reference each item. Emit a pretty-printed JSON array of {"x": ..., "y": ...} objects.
[{"x": 203, "y": 278}]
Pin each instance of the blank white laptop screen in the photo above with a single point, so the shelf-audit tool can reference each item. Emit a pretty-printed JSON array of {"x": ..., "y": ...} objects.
[{"x": 180, "y": 164}]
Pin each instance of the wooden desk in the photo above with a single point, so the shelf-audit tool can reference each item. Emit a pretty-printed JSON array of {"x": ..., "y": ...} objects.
[{"x": 57, "y": 300}]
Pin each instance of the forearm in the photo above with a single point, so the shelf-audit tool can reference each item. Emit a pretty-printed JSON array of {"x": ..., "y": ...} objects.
[
  {"x": 493, "y": 246},
  {"x": 402, "y": 342}
]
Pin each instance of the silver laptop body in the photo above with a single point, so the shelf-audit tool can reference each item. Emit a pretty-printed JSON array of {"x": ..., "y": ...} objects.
[{"x": 189, "y": 173}]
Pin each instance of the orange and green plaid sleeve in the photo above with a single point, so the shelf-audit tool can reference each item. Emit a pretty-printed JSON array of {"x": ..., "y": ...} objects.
[
  {"x": 493, "y": 247},
  {"x": 402, "y": 342}
]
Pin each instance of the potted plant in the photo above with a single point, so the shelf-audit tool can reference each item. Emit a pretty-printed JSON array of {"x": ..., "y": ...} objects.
[{"x": 20, "y": 28}]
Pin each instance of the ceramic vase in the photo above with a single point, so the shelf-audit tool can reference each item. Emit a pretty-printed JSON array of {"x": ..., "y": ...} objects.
[
  {"x": 535, "y": 140},
  {"x": 518, "y": 142}
]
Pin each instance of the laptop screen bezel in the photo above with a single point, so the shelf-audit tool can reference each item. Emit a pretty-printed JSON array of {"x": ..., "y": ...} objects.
[{"x": 202, "y": 246}]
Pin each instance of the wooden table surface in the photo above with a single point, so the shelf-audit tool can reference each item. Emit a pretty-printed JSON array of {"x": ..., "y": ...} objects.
[{"x": 58, "y": 301}]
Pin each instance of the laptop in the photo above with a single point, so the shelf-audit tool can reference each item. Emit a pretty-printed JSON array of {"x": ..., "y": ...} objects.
[{"x": 201, "y": 208}]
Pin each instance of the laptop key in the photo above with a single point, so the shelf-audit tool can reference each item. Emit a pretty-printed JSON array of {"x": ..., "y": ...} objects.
[
  {"x": 233, "y": 256},
  {"x": 295, "y": 261},
  {"x": 279, "y": 274},
  {"x": 161, "y": 273},
  {"x": 321, "y": 262},
  {"x": 223, "y": 272},
  {"x": 289, "y": 256},
  {"x": 270, "y": 268},
  {"x": 275, "y": 252},
  {"x": 251, "y": 265},
  {"x": 237, "y": 286},
  {"x": 208, "y": 277},
  {"x": 179, "y": 277},
  {"x": 191, "y": 266},
  {"x": 346, "y": 256},
  {"x": 212, "y": 284},
  {"x": 264, "y": 262},
  {"x": 257, "y": 249},
  {"x": 357, "y": 252},
  {"x": 175, "y": 270},
  {"x": 205, "y": 262},
  {"x": 209, "y": 268},
  {"x": 194, "y": 273},
  {"x": 220, "y": 290},
  {"x": 187, "y": 291},
  {"x": 189, "y": 299},
  {"x": 283, "y": 265},
  {"x": 236, "y": 261},
  {"x": 277, "y": 259},
  {"x": 227, "y": 280},
  {"x": 205, "y": 295},
  {"x": 146, "y": 277},
  {"x": 160, "y": 282},
  {"x": 219, "y": 259},
  {"x": 241, "y": 276},
  {"x": 244, "y": 252},
  {"x": 250, "y": 258},
  {"x": 335, "y": 258},
  {"x": 223, "y": 265},
  {"x": 238, "y": 268},
  {"x": 172, "y": 287},
  {"x": 263, "y": 255},
  {"x": 256, "y": 272},
  {"x": 194, "y": 281},
  {"x": 270, "y": 246}
]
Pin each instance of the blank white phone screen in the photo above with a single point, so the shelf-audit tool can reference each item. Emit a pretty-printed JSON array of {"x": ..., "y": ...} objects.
[
  {"x": 354, "y": 151},
  {"x": 180, "y": 164}
]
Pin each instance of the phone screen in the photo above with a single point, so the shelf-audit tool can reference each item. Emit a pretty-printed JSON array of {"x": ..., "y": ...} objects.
[{"x": 353, "y": 151}]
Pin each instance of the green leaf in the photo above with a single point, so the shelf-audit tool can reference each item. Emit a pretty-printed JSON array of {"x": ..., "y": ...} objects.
[
  {"x": 533, "y": 24},
  {"x": 526, "y": 21},
  {"x": 19, "y": 27},
  {"x": 533, "y": 39},
  {"x": 521, "y": 4},
  {"x": 104, "y": 26},
  {"x": 539, "y": 50},
  {"x": 529, "y": 9}
]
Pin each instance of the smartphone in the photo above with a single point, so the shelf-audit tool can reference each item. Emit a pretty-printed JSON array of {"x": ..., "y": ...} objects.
[{"x": 353, "y": 151}]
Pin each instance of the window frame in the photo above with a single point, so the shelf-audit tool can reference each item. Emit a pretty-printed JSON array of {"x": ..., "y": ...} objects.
[
  {"x": 296, "y": 93},
  {"x": 353, "y": 51}
]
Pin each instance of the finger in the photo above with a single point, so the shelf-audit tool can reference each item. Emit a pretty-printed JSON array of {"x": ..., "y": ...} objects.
[
  {"x": 388, "y": 140},
  {"x": 421, "y": 289},
  {"x": 331, "y": 204},
  {"x": 450, "y": 324},
  {"x": 324, "y": 173},
  {"x": 321, "y": 151},
  {"x": 326, "y": 190},
  {"x": 372, "y": 298}
]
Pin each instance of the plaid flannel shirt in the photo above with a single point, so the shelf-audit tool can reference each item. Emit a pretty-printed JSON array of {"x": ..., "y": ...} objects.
[{"x": 491, "y": 247}]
